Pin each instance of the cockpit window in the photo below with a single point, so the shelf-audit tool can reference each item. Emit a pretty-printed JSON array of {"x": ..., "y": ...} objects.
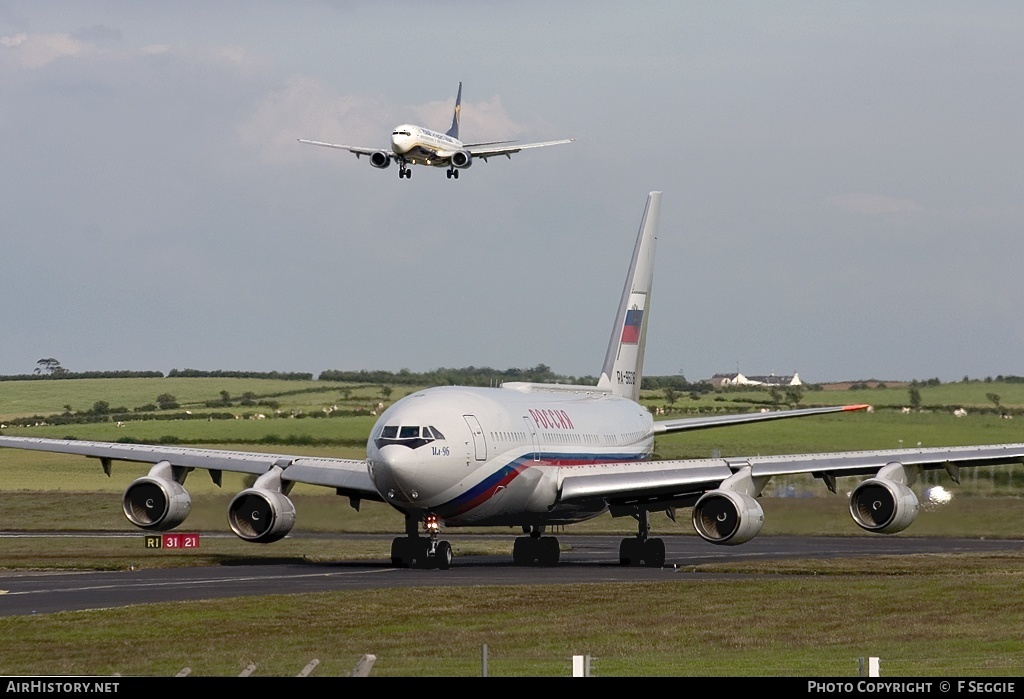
[
  {"x": 401, "y": 133},
  {"x": 412, "y": 436}
]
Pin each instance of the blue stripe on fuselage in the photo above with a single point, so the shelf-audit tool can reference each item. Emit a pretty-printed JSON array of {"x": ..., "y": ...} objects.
[{"x": 473, "y": 497}]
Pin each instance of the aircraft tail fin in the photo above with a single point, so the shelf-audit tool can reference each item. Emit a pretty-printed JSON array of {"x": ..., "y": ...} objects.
[
  {"x": 454, "y": 130},
  {"x": 624, "y": 361}
]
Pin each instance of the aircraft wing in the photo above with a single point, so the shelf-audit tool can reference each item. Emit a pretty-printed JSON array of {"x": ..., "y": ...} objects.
[
  {"x": 486, "y": 150},
  {"x": 680, "y": 482},
  {"x": 348, "y": 476},
  {"x": 358, "y": 150},
  {"x": 486, "y": 143},
  {"x": 706, "y": 421}
]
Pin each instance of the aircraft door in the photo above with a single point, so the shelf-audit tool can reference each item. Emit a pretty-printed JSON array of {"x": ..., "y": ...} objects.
[
  {"x": 479, "y": 444},
  {"x": 532, "y": 431}
]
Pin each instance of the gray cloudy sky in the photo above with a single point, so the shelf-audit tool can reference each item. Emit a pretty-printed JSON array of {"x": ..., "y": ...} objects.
[{"x": 844, "y": 185}]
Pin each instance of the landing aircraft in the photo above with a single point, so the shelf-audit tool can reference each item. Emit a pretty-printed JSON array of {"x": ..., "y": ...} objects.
[
  {"x": 534, "y": 456},
  {"x": 416, "y": 145}
]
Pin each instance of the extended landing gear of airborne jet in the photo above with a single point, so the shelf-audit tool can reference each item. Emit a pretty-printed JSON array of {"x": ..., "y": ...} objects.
[
  {"x": 415, "y": 551},
  {"x": 404, "y": 172},
  {"x": 452, "y": 172},
  {"x": 535, "y": 549},
  {"x": 633, "y": 551}
]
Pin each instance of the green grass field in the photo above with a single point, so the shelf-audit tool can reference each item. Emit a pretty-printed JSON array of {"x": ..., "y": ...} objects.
[
  {"x": 972, "y": 394},
  {"x": 924, "y": 616},
  {"x": 940, "y": 615},
  {"x": 49, "y": 397}
]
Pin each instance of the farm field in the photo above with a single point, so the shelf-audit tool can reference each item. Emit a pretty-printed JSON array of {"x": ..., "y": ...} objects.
[
  {"x": 31, "y": 477},
  {"x": 971, "y": 394},
  {"x": 302, "y": 424},
  {"x": 50, "y": 397},
  {"x": 916, "y": 634}
]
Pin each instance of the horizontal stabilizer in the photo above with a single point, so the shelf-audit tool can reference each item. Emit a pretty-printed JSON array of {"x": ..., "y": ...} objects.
[{"x": 704, "y": 422}]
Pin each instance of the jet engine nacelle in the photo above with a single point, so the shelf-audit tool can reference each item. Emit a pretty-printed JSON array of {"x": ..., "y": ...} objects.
[
  {"x": 727, "y": 517},
  {"x": 261, "y": 516},
  {"x": 158, "y": 504},
  {"x": 380, "y": 159},
  {"x": 462, "y": 159},
  {"x": 883, "y": 506}
]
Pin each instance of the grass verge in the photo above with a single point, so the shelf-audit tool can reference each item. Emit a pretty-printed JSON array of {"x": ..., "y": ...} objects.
[{"x": 923, "y": 616}]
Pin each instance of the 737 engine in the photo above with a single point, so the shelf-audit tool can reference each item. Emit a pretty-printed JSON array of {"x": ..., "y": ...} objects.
[
  {"x": 380, "y": 159},
  {"x": 461, "y": 159}
]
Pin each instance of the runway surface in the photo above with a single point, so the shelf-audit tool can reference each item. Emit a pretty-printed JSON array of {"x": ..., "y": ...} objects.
[{"x": 590, "y": 559}]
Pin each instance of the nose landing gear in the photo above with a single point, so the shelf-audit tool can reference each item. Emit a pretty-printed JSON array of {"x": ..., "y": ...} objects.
[{"x": 415, "y": 551}]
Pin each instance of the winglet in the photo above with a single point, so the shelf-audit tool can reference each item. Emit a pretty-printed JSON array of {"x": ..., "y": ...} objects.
[
  {"x": 454, "y": 130},
  {"x": 624, "y": 360}
]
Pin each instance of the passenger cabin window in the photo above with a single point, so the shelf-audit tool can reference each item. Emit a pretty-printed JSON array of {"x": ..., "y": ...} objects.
[{"x": 412, "y": 436}]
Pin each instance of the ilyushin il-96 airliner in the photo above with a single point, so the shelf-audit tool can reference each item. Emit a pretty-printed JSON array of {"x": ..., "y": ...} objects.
[
  {"x": 415, "y": 145},
  {"x": 534, "y": 456}
]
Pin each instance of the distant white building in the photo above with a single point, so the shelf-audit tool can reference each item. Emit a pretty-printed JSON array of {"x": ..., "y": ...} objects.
[{"x": 738, "y": 379}]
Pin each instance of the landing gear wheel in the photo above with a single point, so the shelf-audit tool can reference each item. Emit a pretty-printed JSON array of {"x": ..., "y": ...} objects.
[
  {"x": 455, "y": 174},
  {"x": 629, "y": 551},
  {"x": 547, "y": 551},
  {"x": 443, "y": 555},
  {"x": 448, "y": 173},
  {"x": 530, "y": 550},
  {"x": 521, "y": 551},
  {"x": 401, "y": 552},
  {"x": 654, "y": 553},
  {"x": 421, "y": 553}
]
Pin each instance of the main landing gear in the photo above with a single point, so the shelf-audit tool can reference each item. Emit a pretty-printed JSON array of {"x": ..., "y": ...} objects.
[
  {"x": 452, "y": 172},
  {"x": 403, "y": 171},
  {"x": 535, "y": 549},
  {"x": 415, "y": 551},
  {"x": 633, "y": 551}
]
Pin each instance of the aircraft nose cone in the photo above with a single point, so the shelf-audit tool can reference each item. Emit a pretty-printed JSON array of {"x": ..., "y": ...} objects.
[{"x": 394, "y": 474}]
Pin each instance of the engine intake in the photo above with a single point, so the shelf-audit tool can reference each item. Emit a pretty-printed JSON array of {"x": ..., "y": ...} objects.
[
  {"x": 380, "y": 159},
  {"x": 157, "y": 504},
  {"x": 727, "y": 517},
  {"x": 261, "y": 516},
  {"x": 883, "y": 506},
  {"x": 462, "y": 159}
]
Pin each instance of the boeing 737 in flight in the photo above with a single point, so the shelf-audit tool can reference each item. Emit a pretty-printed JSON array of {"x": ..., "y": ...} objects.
[
  {"x": 415, "y": 145},
  {"x": 534, "y": 456}
]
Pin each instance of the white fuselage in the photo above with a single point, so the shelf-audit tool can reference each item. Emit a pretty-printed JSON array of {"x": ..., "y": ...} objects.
[
  {"x": 422, "y": 146},
  {"x": 486, "y": 456}
]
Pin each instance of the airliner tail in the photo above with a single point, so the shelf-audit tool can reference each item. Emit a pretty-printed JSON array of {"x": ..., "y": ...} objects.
[
  {"x": 454, "y": 130},
  {"x": 624, "y": 361}
]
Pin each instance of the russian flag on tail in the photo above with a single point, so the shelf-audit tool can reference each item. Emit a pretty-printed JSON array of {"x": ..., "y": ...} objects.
[{"x": 631, "y": 330}]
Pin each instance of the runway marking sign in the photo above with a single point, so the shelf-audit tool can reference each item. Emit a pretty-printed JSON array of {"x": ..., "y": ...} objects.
[{"x": 172, "y": 541}]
